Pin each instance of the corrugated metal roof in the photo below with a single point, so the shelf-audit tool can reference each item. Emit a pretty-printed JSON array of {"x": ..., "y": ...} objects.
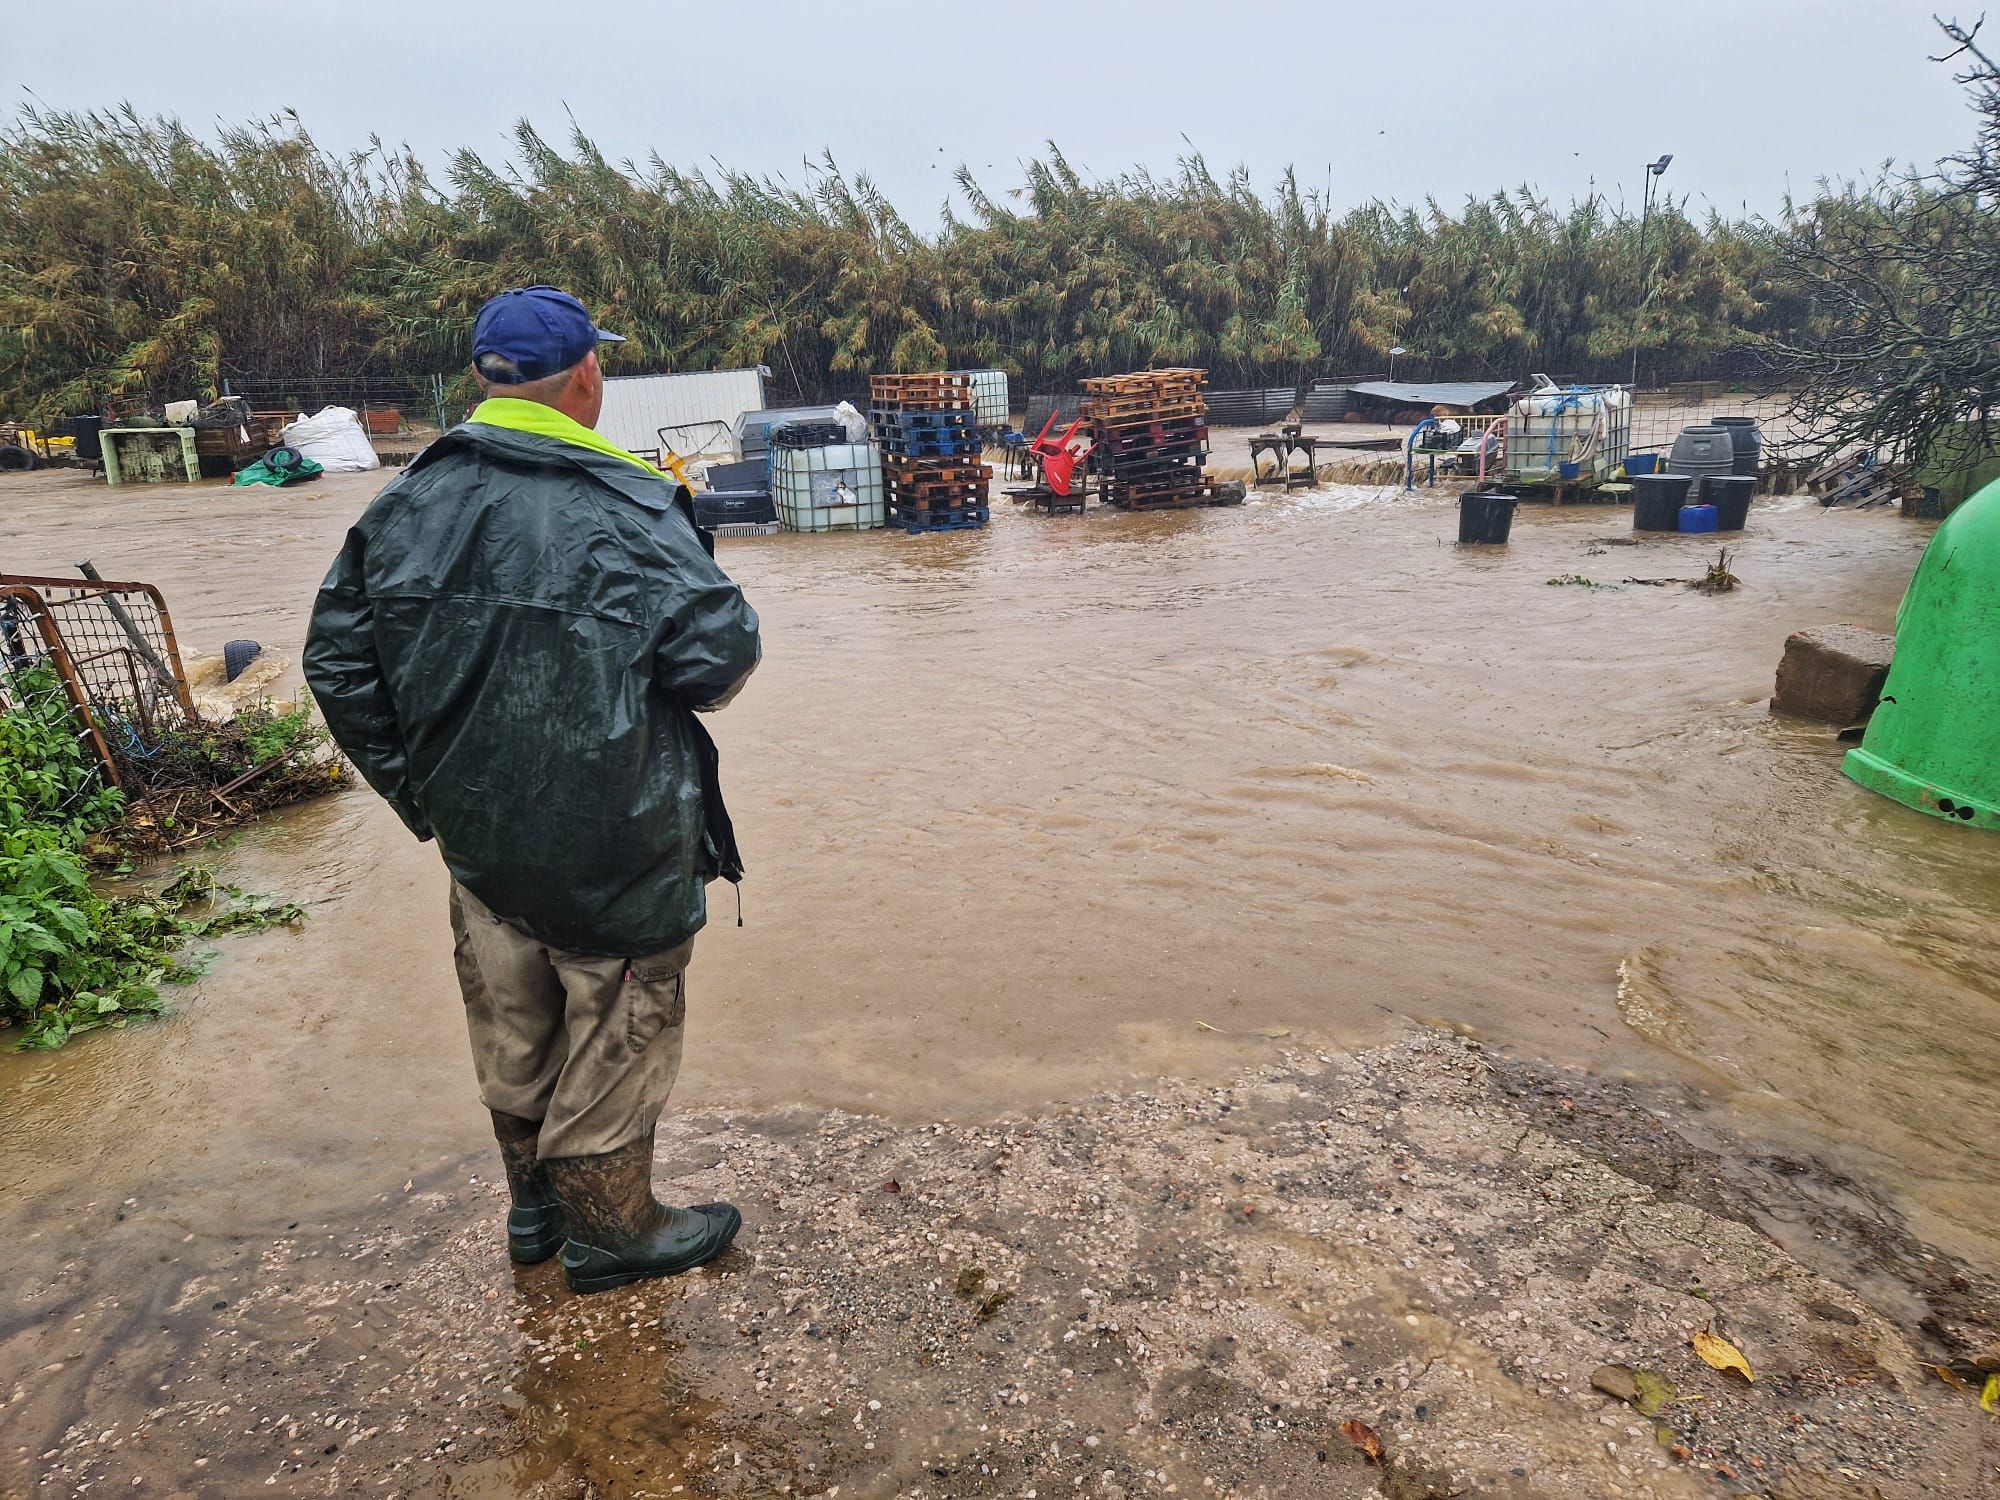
[
  {"x": 636, "y": 407},
  {"x": 1446, "y": 393}
]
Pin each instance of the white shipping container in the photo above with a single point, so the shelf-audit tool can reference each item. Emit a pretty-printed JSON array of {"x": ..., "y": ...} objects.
[
  {"x": 703, "y": 406},
  {"x": 837, "y": 488}
]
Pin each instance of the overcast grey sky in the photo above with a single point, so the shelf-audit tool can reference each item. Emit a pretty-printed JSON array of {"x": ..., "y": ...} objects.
[{"x": 1371, "y": 99}]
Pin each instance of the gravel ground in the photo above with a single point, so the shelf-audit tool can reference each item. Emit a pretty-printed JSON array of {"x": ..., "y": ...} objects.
[{"x": 1180, "y": 1292}]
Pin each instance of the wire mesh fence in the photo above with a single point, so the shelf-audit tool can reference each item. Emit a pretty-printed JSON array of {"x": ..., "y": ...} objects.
[
  {"x": 108, "y": 649},
  {"x": 385, "y": 403},
  {"x": 43, "y": 709},
  {"x": 1659, "y": 418}
]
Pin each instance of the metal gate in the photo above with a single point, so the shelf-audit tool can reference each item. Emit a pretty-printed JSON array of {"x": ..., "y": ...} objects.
[{"x": 109, "y": 649}]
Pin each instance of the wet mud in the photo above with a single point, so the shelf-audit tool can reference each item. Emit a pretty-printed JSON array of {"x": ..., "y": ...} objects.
[
  {"x": 1186, "y": 1290},
  {"x": 1073, "y": 805}
]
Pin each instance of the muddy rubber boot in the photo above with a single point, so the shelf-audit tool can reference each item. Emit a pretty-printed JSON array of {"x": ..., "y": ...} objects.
[
  {"x": 535, "y": 1224},
  {"x": 619, "y": 1232}
]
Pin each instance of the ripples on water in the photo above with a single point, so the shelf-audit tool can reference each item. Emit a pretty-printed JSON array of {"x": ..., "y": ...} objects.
[{"x": 1023, "y": 807}]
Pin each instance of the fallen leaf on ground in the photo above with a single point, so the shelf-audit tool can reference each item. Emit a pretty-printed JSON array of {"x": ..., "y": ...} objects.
[
  {"x": 1718, "y": 1353},
  {"x": 1204, "y": 1026},
  {"x": 1274, "y": 1032},
  {"x": 1989, "y": 1399},
  {"x": 1953, "y": 1379},
  {"x": 1656, "y": 1393},
  {"x": 1645, "y": 1391},
  {"x": 1365, "y": 1441}
]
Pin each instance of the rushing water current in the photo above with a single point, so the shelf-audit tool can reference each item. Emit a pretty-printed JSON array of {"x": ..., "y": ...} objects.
[{"x": 1078, "y": 801}]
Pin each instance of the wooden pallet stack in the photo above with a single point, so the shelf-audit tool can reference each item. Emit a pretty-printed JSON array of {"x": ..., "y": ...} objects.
[
  {"x": 1858, "y": 481},
  {"x": 1152, "y": 438},
  {"x": 930, "y": 451}
]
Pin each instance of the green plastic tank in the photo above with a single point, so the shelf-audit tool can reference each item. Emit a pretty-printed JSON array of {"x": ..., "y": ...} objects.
[{"x": 1933, "y": 742}]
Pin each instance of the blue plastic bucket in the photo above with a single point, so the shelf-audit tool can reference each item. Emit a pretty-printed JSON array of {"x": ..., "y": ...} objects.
[
  {"x": 1642, "y": 463},
  {"x": 1699, "y": 518}
]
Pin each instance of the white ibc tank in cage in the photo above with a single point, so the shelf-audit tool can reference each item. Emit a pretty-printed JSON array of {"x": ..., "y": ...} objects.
[
  {"x": 989, "y": 397},
  {"x": 836, "y": 488},
  {"x": 1587, "y": 426}
]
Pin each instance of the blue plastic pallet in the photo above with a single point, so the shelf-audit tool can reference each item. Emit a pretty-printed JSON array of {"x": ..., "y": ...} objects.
[
  {"x": 940, "y": 518},
  {"x": 909, "y": 447},
  {"x": 928, "y": 526},
  {"x": 910, "y": 421},
  {"x": 899, "y": 434},
  {"x": 910, "y": 512}
]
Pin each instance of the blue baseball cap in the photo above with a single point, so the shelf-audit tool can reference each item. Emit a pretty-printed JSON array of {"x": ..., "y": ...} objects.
[{"x": 538, "y": 330}]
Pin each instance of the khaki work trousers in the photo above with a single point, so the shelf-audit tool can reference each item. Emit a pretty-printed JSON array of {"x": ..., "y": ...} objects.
[{"x": 588, "y": 1046}]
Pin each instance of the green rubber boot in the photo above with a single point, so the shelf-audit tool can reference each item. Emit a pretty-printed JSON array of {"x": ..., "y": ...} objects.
[
  {"x": 619, "y": 1232},
  {"x": 535, "y": 1224}
]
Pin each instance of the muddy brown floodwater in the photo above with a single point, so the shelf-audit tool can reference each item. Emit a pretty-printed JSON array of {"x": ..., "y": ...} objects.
[{"x": 1072, "y": 805}]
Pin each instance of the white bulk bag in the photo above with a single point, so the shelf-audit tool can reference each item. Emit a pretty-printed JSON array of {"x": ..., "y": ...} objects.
[{"x": 333, "y": 439}]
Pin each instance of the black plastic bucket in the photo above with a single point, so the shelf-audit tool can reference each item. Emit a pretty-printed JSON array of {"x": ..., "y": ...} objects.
[
  {"x": 1730, "y": 494},
  {"x": 1657, "y": 500},
  {"x": 1746, "y": 444},
  {"x": 87, "y": 430},
  {"x": 1485, "y": 518}
]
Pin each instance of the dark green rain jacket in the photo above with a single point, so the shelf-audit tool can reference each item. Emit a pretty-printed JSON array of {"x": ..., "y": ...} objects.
[{"x": 511, "y": 647}]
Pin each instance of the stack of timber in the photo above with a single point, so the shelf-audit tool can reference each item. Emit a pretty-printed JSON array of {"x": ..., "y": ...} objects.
[
  {"x": 1152, "y": 439},
  {"x": 930, "y": 451}
]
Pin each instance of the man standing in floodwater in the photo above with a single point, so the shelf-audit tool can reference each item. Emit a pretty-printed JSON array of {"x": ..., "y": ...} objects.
[{"x": 512, "y": 647}]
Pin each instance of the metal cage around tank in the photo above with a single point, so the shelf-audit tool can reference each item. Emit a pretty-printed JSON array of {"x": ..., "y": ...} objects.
[{"x": 112, "y": 649}]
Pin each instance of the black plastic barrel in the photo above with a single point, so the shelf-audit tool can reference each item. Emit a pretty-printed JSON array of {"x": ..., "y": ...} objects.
[
  {"x": 1730, "y": 494},
  {"x": 86, "y": 430},
  {"x": 1657, "y": 500},
  {"x": 1703, "y": 449},
  {"x": 1746, "y": 443},
  {"x": 1485, "y": 518}
]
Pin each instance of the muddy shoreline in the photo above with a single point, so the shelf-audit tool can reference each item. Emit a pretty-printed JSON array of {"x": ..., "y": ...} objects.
[{"x": 1182, "y": 1290}]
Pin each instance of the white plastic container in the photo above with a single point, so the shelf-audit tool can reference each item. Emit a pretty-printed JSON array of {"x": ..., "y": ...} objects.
[
  {"x": 838, "y": 488},
  {"x": 989, "y": 398},
  {"x": 1589, "y": 427}
]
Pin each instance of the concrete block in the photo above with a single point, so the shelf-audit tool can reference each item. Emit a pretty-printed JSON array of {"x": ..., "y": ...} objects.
[{"x": 1833, "y": 673}]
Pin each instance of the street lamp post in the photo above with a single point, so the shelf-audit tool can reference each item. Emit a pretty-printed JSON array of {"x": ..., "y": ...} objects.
[
  {"x": 1654, "y": 169},
  {"x": 1399, "y": 349}
]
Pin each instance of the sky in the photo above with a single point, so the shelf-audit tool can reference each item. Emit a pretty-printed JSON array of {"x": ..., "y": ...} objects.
[{"x": 1753, "y": 98}]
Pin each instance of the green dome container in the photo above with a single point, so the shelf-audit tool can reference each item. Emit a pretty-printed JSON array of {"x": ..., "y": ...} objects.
[{"x": 1933, "y": 743}]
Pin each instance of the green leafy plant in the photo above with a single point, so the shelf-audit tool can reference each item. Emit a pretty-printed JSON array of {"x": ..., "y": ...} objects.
[
  {"x": 260, "y": 254},
  {"x": 271, "y": 733},
  {"x": 74, "y": 958}
]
